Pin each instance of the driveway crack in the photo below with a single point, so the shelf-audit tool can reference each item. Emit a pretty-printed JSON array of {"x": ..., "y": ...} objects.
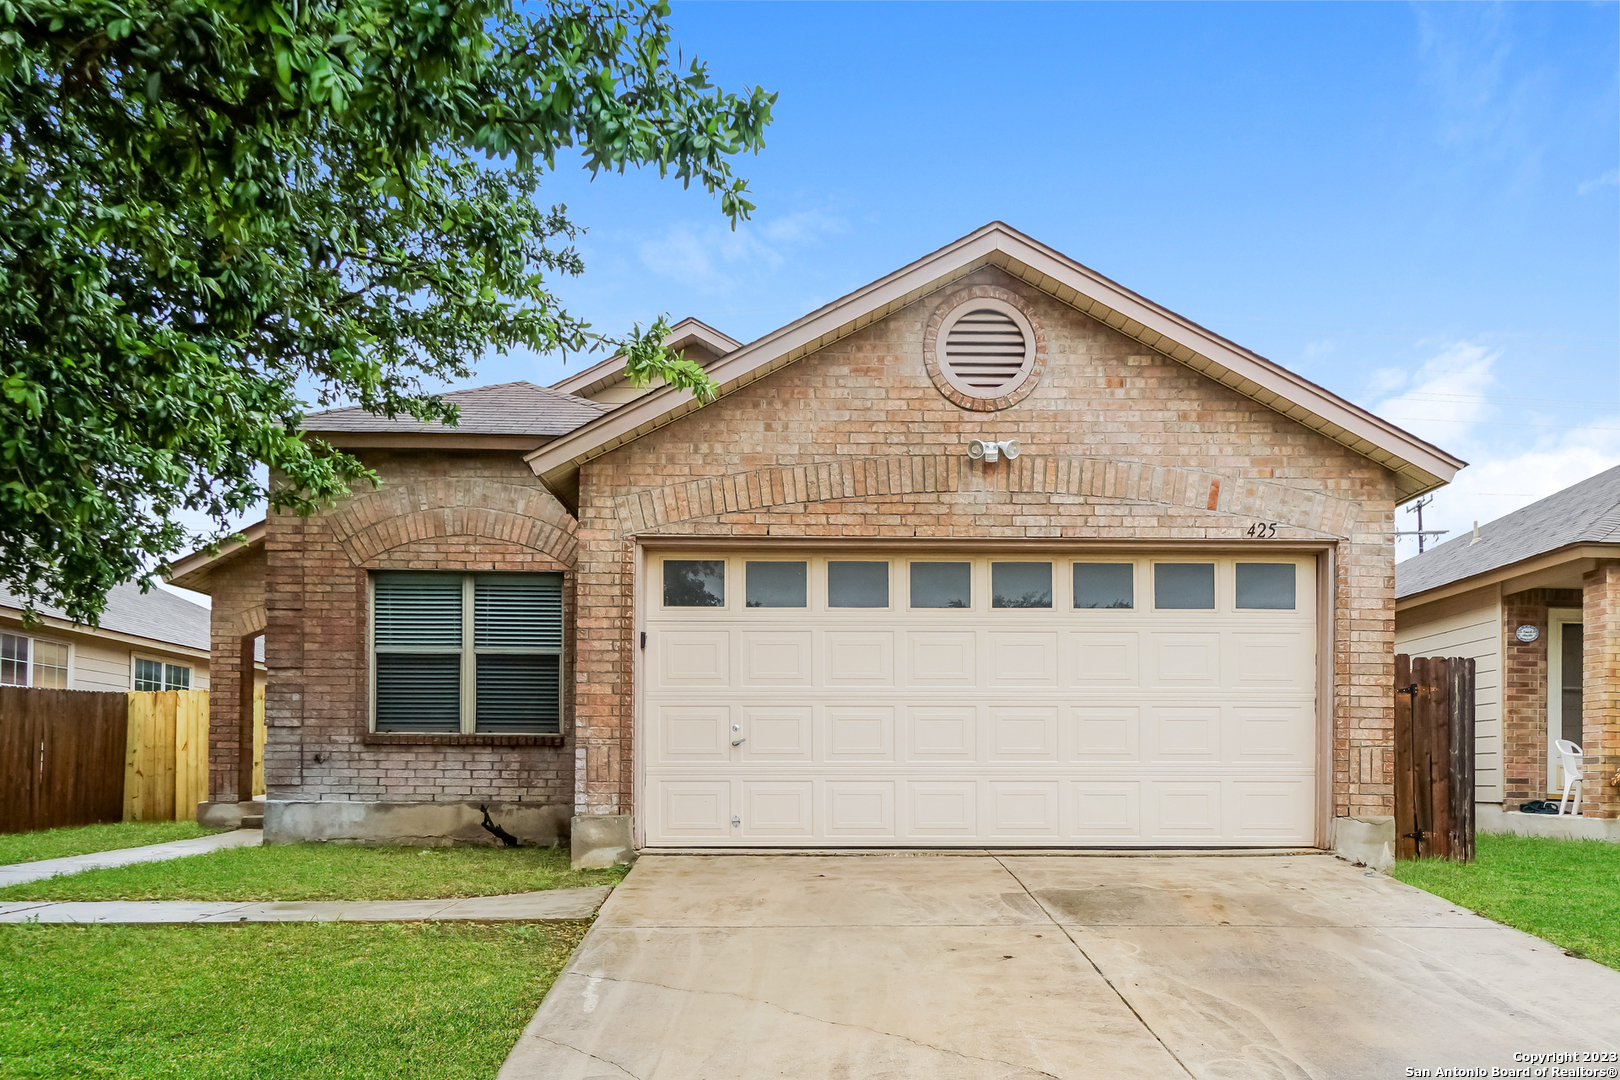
[
  {"x": 1100, "y": 973},
  {"x": 587, "y": 1053}
]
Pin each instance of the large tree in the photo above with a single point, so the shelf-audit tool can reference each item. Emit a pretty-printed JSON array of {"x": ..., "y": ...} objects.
[{"x": 219, "y": 212}]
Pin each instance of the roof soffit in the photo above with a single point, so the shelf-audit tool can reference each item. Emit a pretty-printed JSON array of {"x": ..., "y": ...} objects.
[{"x": 1419, "y": 466}]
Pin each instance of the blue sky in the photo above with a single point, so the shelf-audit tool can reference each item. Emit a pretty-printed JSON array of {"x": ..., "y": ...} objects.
[{"x": 1417, "y": 206}]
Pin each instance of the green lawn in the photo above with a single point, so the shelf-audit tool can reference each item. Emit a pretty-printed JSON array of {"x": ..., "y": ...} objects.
[
  {"x": 88, "y": 839},
  {"x": 247, "y": 1002},
  {"x": 1566, "y": 891},
  {"x": 324, "y": 872}
]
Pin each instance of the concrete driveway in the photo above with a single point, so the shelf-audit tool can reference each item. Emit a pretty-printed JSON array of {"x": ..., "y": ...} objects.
[{"x": 975, "y": 966}]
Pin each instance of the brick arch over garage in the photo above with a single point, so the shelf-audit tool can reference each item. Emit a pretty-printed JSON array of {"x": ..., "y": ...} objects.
[
  {"x": 372, "y": 525},
  {"x": 1062, "y": 479}
]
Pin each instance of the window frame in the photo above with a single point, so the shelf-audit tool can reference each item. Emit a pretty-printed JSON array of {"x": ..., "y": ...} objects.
[
  {"x": 468, "y": 653},
  {"x": 134, "y": 667},
  {"x": 33, "y": 641}
]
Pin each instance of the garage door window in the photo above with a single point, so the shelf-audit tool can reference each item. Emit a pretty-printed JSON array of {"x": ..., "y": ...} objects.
[
  {"x": 694, "y": 583},
  {"x": 1184, "y": 586},
  {"x": 775, "y": 584},
  {"x": 1266, "y": 586},
  {"x": 1104, "y": 585},
  {"x": 467, "y": 652},
  {"x": 857, "y": 584},
  {"x": 1021, "y": 585},
  {"x": 941, "y": 585}
]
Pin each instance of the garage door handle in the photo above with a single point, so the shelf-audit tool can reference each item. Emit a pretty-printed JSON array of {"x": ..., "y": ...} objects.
[{"x": 739, "y": 742}]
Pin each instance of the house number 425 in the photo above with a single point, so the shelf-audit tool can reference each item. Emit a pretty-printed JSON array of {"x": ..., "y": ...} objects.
[{"x": 1262, "y": 530}]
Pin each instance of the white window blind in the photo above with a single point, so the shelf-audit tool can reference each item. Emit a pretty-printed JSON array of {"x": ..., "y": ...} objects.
[{"x": 468, "y": 652}]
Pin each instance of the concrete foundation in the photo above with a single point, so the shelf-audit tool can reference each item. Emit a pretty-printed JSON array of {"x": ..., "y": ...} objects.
[
  {"x": 421, "y": 824},
  {"x": 1367, "y": 840},
  {"x": 231, "y": 815},
  {"x": 1491, "y": 818},
  {"x": 599, "y": 840}
]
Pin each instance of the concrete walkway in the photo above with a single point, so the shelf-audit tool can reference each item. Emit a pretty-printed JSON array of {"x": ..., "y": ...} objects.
[
  {"x": 1023, "y": 967},
  {"x": 17, "y": 873},
  {"x": 514, "y": 907}
]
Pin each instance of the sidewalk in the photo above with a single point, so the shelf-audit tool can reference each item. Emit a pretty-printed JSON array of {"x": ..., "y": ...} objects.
[
  {"x": 553, "y": 904},
  {"x": 17, "y": 873}
]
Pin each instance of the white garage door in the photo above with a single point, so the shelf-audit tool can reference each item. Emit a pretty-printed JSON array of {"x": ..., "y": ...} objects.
[{"x": 870, "y": 700}]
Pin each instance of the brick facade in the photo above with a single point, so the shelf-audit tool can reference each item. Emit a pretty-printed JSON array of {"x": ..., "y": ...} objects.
[
  {"x": 237, "y": 591},
  {"x": 434, "y": 510},
  {"x": 1119, "y": 443},
  {"x": 1600, "y": 617}
]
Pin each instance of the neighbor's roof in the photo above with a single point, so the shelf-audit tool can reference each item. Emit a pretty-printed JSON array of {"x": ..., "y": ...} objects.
[
  {"x": 1419, "y": 466},
  {"x": 514, "y": 408},
  {"x": 682, "y": 335},
  {"x": 1584, "y": 513},
  {"x": 157, "y": 616}
]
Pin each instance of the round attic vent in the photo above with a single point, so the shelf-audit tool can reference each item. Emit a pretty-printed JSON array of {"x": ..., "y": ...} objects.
[{"x": 987, "y": 348}]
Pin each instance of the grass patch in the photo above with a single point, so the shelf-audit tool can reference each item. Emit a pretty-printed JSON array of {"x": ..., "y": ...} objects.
[
  {"x": 324, "y": 872},
  {"x": 89, "y": 839},
  {"x": 1566, "y": 891},
  {"x": 245, "y": 1002}
]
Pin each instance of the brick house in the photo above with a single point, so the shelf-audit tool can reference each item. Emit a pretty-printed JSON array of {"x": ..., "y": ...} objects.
[
  {"x": 1534, "y": 598},
  {"x": 991, "y": 551}
]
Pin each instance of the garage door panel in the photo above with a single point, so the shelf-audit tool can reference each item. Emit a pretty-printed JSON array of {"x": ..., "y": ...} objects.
[
  {"x": 1023, "y": 659},
  {"x": 942, "y": 810},
  {"x": 1279, "y": 735},
  {"x": 859, "y": 733},
  {"x": 1183, "y": 734},
  {"x": 1106, "y": 810},
  {"x": 942, "y": 733},
  {"x": 777, "y": 810},
  {"x": 694, "y": 810},
  {"x": 1024, "y": 732},
  {"x": 1272, "y": 661},
  {"x": 859, "y": 659},
  {"x": 1109, "y": 660},
  {"x": 693, "y": 658},
  {"x": 1182, "y": 660},
  {"x": 1274, "y": 811},
  {"x": 778, "y": 733},
  {"x": 694, "y": 733},
  {"x": 1185, "y": 811},
  {"x": 1106, "y": 733},
  {"x": 1023, "y": 809},
  {"x": 776, "y": 658},
  {"x": 942, "y": 659},
  {"x": 861, "y": 810}
]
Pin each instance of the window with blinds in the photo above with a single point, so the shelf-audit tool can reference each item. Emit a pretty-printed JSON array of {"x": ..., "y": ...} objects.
[{"x": 467, "y": 652}]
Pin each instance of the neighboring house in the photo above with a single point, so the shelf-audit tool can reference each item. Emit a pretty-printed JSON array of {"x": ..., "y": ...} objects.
[
  {"x": 1534, "y": 598},
  {"x": 833, "y": 608},
  {"x": 146, "y": 641}
]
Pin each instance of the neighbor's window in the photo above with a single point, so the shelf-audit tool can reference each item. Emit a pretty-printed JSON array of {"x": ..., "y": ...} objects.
[
  {"x": 1265, "y": 585},
  {"x": 857, "y": 584},
  {"x": 1104, "y": 585},
  {"x": 156, "y": 675},
  {"x": 13, "y": 660},
  {"x": 50, "y": 664},
  {"x": 467, "y": 652},
  {"x": 694, "y": 583},
  {"x": 941, "y": 585},
  {"x": 26, "y": 661},
  {"x": 1184, "y": 586},
  {"x": 775, "y": 584},
  {"x": 1020, "y": 584}
]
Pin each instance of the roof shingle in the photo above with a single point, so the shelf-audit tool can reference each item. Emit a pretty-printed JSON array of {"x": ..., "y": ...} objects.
[
  {"x": 514, "y": 408},
  {"x": 157, "y": 615},
  {"x": 1583, "y": 513}
]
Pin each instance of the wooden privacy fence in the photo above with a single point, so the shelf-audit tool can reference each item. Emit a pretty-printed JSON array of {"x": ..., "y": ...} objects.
[
  {"x": 166, "y": 755},
  {"x": 61, "y": 757},
  {"x": 1434, "y": 758}
]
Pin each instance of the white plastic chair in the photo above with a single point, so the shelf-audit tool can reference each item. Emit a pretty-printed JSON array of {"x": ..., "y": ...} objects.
[{"x": 1571, "y": 755}]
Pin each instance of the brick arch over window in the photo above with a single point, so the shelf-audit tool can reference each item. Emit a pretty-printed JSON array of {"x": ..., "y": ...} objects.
[
  {"x": 1062, "y": 479},
  {"x": 374, "y": 524}
]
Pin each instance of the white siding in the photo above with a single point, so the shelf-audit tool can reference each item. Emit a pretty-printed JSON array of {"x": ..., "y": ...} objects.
[
  {"x": 100, "y": 665},
  {"x": 1467, "y": 625}
]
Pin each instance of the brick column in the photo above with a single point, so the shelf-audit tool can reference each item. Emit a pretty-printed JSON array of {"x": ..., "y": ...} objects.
[{"x": 1600, "y": 621}]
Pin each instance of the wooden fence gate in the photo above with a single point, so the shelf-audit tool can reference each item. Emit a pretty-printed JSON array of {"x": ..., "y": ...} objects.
[
  {"x": 166, "y": 758},
  {"x": 1434, "y": 758},
  {"x": 61, "y": 757}
]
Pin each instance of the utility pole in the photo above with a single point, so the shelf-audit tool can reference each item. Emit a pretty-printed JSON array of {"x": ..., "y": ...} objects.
[{"x": 1420, "y": 532}]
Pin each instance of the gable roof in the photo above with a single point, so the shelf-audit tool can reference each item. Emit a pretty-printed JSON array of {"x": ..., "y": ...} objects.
[
  {"x": 512, "y": 408},
  {"x": 683, "y": 335},
  {"x": 1419, "y": 465},
  {"x": 1583, "y": 513},
  {"x": 157, "y": 616}
]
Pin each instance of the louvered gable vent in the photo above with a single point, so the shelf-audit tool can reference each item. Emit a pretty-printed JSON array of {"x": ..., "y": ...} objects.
[{"x": 986, "y": 348}]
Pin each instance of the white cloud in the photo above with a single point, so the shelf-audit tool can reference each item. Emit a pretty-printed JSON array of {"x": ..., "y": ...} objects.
[
  {"x": 1441, "y": 399},
  {"x": 710, "y": 257},
  {"x": 1608, "y": 179}
]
